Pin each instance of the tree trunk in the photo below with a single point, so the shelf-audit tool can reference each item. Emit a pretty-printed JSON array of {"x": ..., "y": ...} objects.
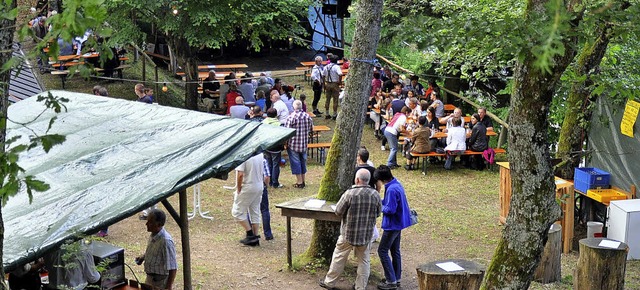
[
  {"x": 573, "y": 128},
  {"x": 340, "y": 164},
  {"x": 7, "y": 29},
  {"x": 185, "y": 54},
  {"x": 533, "y": 207},
  {"x": 600, "y": 267},
  {"x": 432, "y": 277},
  {"x": 548, "y": 270}
]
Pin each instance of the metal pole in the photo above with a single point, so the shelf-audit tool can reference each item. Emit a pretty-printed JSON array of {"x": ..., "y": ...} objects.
[
  {"x": 144, "y": 68},
  {"x": 156, "y": 91},
  {"x": 186, "y": 248}
]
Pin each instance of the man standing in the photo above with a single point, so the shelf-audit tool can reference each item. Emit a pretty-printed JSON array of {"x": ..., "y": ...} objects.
[
  {"x": 359, "y": 207},
  {"x": 273, "y": 154},
  {"x": 316, "y": 78},
  {"x": 160, "y": 257},
  {"x": 247, "y": 198},
  {"x": 362, "y": 162},
  {"x": 297, "y": 146},
  {"x": 333, "y": 76}
]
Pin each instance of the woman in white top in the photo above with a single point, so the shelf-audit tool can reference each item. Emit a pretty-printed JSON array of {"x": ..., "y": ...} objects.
[
  {"x": 392, "y": 131},
  {"x": 456, "y": 141}
]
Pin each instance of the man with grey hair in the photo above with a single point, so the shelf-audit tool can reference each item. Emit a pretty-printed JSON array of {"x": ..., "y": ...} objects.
[
  {"x": 159, "y": 258},
  {"x": 280, "y": 106},
  {"x": 318, "y": 80},
  {"x": 210, "y": 85},
  {"x": 239, "y": 110},
  {"x": 457, "y": 113},
  {"x": 297, "y": 145},
  {"x": 359, "y": 207},
  {"x": 264, "y": 86}
]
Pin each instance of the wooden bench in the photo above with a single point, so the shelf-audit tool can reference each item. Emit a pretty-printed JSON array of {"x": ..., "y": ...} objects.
[
  {"x": 322, "y": 150},
  {"x": 425, "y": 156}
]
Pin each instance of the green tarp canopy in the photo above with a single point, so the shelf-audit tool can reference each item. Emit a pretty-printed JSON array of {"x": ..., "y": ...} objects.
[{"x": 119, "y": 157}]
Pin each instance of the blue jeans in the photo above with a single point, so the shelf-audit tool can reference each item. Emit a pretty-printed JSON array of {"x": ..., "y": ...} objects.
[
  {"x": 266, "y": 216},
  {"x": 390, "y": 241},
  {"x": 393, "y": 146},
  {"x": 298, "y": 162},
  {"x": 273, "y": 159}
]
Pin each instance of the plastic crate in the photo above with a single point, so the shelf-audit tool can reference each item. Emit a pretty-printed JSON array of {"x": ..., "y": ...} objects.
[
  {"x": 605, "y": 195},
  {"x": 583, "y": 186},
  {"x": 586, "y": 178}
]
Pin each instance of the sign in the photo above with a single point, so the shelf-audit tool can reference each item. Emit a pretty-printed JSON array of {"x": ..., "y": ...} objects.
[{"x": 629, "y": 118}]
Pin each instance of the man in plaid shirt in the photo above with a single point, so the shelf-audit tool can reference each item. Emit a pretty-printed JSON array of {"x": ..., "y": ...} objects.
[
  {"x": 297, "y": 145},
  {"x": 359, "y": 207}
]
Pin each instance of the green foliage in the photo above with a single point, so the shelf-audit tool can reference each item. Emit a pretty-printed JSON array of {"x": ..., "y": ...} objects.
[
  {"x": 213, "y": 24},
  {"x": 12, "y": 176}
]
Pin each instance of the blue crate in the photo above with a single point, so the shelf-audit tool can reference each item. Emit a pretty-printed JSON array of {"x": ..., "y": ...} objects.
[
  {"x": 583, "y": 186},
  {"x": 590, "y": 177}
]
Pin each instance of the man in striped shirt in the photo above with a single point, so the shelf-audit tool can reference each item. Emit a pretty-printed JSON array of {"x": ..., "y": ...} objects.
[
  {"x": 160, "y": 257},
  {"x": 297, "y": 146},
  {"x": 359, "y": 207}
]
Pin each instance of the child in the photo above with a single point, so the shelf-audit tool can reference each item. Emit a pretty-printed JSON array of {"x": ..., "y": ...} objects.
[
  {"x": 147, "y": 97},
  {"x": 303, "y": 97},
  {"x": 260, "y": 100}
]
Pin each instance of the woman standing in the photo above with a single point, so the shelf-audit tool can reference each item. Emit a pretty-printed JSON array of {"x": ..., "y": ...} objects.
[
  {"x": 395, "y": 217},
  {"x": 392, "y": 131}
]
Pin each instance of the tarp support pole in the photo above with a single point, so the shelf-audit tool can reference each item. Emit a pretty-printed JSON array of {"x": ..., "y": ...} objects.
[
  {"x": 172, "y": 212},
  {"x": 186, "y": 248}
]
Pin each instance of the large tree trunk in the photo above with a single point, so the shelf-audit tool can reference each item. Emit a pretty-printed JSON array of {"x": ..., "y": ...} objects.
[
  {"x": 7, "y": 29},
  {"x": 573, "y": 130},
  {"x": 533, "y": 206},
  {"x": 185, "y": 54},
  {"x": 340, "y": 164}
]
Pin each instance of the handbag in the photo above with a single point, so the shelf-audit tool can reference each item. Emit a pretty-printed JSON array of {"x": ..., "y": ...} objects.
[{"x": 414, "y": 217}]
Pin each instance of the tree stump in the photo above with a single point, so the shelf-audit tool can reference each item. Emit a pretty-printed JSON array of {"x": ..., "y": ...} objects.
[
  {"x": 600, "y": 267},
  {"x": 432, "y": 277},
  {"x": 548, "y": 270}
]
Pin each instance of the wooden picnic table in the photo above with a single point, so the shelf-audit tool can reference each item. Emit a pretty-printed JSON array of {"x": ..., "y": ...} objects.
[
  {"x": 315, "y": 133},
  {"x": 234, "y": 67},
  {"x": 441, "y": 134},
  {"x": 312, "y": 63},
  {"x": 296, "y": 208},
  {"x": 205, "y": 74}
]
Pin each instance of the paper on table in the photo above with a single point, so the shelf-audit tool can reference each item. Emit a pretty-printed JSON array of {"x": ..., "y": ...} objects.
[
  {"x": 333, "y": 207},
  {"x": 314, "y": 203},
  {"x": 609, "y": 244},
  {"x": 450, "y": 266},
  {"x": 560, "y": 181}
]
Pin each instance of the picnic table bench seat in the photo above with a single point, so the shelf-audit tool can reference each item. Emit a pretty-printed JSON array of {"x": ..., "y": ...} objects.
[{"x": 424, "y": 156}]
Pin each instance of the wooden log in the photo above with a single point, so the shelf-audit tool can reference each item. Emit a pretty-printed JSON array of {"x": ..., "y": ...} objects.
[
  {"x": 432, "y": 277},
  {"x": 548, "y": 270},
  {"x": 600, "y": 267}
]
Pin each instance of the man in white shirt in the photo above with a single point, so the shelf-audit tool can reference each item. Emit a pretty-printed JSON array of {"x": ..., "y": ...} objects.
[
  {"x": 280, "y": 106},
  {"x": 316, "y": 78},
  {"x": 247, "y": 198}
]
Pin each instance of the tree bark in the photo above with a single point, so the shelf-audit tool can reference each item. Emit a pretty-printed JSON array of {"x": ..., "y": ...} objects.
[
  {"x": 573, "y": 130},
  {"x": 7, "y": 30},
  {"x": 340, "y": 164},
  {"x": 533, "y": 206},
  {"x": 600, "y": 267}
]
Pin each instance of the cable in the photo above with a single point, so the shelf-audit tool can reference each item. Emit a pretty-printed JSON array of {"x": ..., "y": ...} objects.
[{"x": 132, "y": 272}]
